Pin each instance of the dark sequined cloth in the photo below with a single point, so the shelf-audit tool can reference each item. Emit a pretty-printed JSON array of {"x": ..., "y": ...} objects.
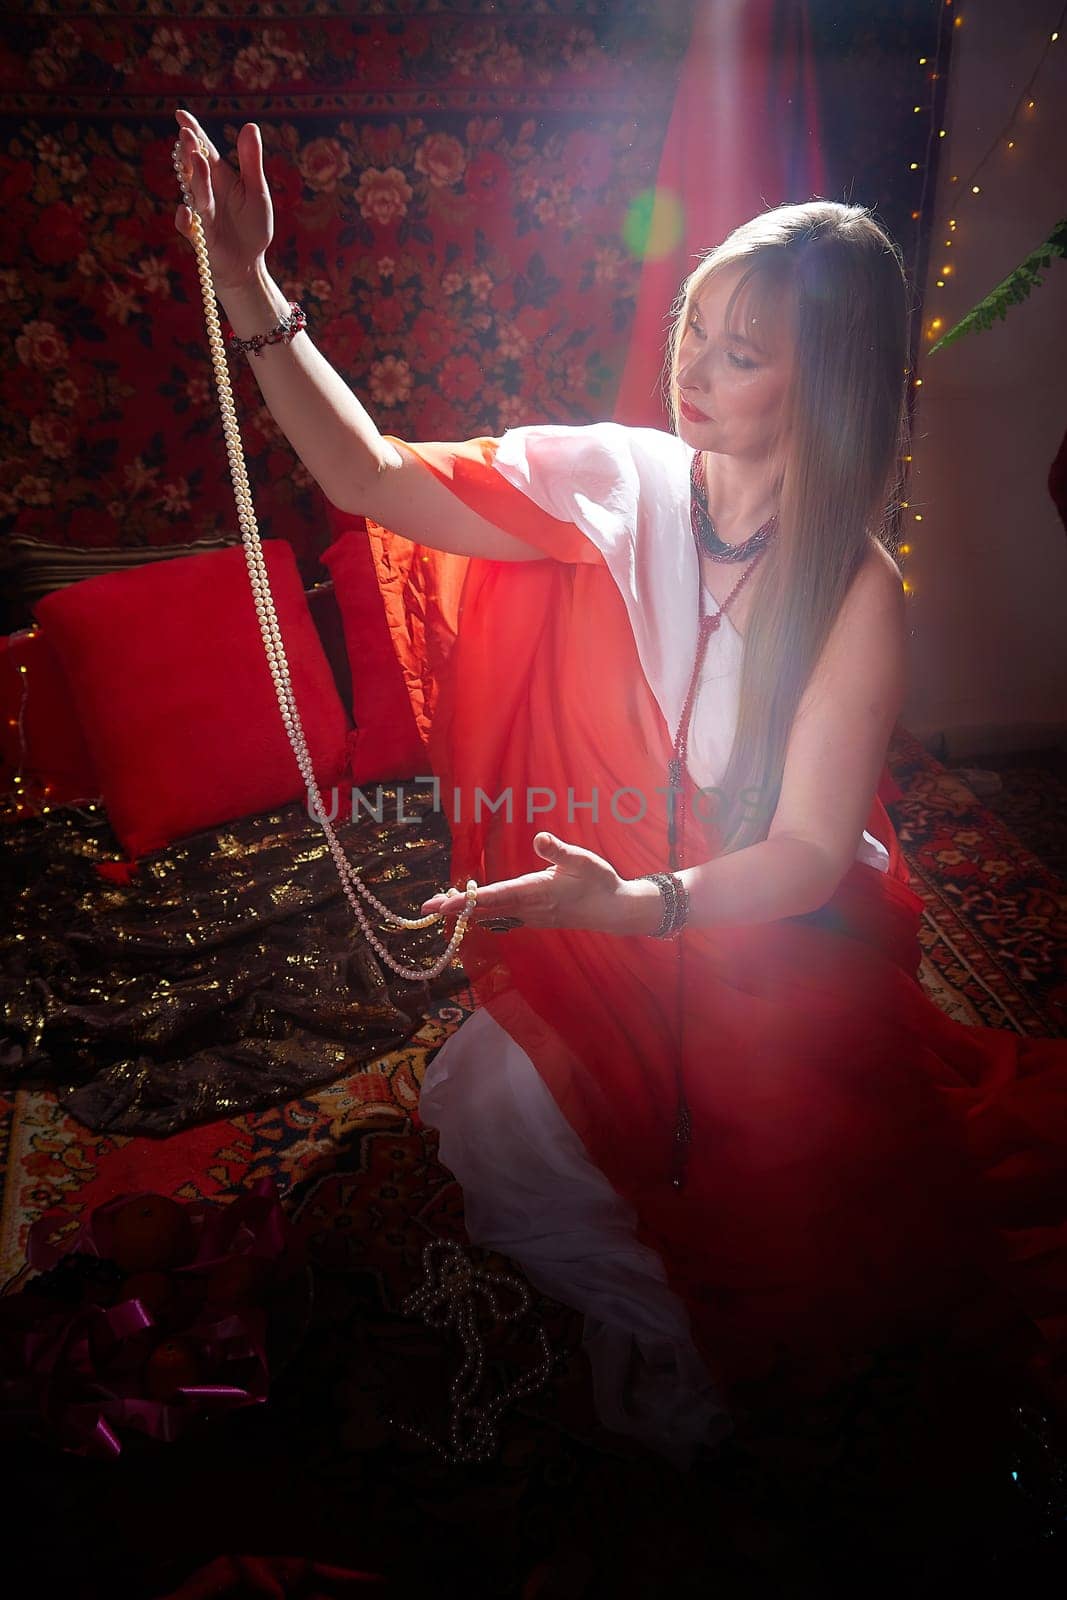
[{"x": 228, "y": 973}]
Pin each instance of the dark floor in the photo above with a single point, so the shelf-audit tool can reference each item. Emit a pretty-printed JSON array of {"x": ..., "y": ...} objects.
[{"x": 1032, "y": 799}]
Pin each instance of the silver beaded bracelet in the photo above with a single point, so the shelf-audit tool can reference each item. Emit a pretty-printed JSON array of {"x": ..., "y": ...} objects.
[{"x": 675, "y": 904}]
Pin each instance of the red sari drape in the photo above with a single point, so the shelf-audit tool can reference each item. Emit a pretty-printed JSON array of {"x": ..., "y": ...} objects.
[{"x": 862, "y": 1167}]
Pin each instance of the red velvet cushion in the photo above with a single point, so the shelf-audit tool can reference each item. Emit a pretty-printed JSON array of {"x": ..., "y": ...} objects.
[
  {"x": 50, "y": 754},
  {"x": 386, "y": 743},
  {"x": 174, "y": 693}
]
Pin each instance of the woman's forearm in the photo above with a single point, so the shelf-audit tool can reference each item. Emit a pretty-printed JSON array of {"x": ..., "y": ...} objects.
[
  {"x": 311, "y": 403},
  {"x": 781, "y": 877}
]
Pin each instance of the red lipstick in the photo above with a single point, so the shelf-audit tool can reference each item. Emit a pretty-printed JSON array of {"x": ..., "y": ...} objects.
[{"x": 690, "y": 413}]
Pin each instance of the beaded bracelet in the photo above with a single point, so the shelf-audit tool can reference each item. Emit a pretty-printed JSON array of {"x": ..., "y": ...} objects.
[
  {"x": 675, "y": 904},
  {"x": 286, "y": 330}
]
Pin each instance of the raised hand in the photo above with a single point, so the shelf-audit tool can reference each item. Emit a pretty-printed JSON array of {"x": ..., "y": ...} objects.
[{"x": 235, "y": 208}]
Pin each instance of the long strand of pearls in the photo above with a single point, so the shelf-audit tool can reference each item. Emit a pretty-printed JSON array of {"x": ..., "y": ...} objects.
[
  {"x": 351, "y": 882},
  {"x": 446, "y": 1299}
]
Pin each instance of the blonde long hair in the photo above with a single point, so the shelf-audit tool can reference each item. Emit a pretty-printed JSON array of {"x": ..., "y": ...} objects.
[{"x": 841, "y": 444}]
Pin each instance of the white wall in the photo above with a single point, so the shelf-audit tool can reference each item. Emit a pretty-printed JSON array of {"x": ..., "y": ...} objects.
[{"x": 988, "y": 567}]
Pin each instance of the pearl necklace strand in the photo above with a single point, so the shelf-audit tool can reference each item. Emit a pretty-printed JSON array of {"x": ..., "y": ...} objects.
[
  {"x": 275, "y": 650},
  {"x": 446, "y": 1299}
]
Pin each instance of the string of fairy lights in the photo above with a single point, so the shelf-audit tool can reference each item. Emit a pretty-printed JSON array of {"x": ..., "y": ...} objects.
[
  {"x": 27, "y": 795},
  {"x": 1019, "y": 122},
  {"x": 19, "y": 722}
]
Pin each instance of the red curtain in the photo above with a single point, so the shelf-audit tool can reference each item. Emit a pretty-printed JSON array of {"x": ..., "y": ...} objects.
[{"x": 743, "y": 135}]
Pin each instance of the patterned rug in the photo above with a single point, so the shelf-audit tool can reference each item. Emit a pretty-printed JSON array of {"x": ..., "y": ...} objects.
[
  {"x": 1031, "y": 797},
  {"x": 994, "y": 932},
  {"x": 797, "y": 1503}
]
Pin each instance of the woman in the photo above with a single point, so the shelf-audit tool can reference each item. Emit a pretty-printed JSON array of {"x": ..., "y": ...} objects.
[{"x": 712, "y": 1108}]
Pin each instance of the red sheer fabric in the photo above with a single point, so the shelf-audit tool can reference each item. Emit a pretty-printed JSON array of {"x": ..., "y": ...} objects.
[
  {"x": 861, "y": 1166},
  {"x": 746, "y": 99},
  {"x": 386, "y": 744},
  {"x": 275, "y": 1578}
]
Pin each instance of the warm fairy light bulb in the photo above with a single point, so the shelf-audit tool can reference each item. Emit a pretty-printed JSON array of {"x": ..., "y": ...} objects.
[
  {"x": 975, "y": 189},
  {"x": 907, "y": 458},
  {"x": 941, "y": 134},
  {"x": 1030, "y": 105},
  {"x": 905, "y": 504},
  {"x": 947, "y": 270},
  {"x": 940, "y": 283},
  {"x": 958, "y": 22},
  {"x": 952, "y": 222},
  {"x": 1011, "y": 144},
  {"x": 915, "y": 216},
  {"x": 922, "y": 61},
  {"x": 918, "y": 516},
  {"x": 906, "y": 586},
  {"x": 915, "y": 166},
  {"x": 905, "y": 549},
  {"x": 916, "y": 108},
  {"x": 936, "y": 323}
]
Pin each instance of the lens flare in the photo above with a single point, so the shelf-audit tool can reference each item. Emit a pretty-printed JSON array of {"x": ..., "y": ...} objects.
[{"x": 654, "y": 224}]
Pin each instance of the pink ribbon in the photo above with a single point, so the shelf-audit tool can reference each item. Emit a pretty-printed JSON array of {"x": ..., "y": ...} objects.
[{"x": 80, "y": 1369}]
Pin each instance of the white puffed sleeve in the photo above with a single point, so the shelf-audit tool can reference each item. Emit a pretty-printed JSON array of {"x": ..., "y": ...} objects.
[{"x": 587, "y": 476}]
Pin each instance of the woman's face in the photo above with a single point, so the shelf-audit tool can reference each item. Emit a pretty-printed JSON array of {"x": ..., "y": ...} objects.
[{"x": 732, "y": 382}]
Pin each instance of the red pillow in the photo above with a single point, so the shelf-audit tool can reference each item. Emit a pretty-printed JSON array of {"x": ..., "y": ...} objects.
[
  {"x": 386, "y": 743},
  {"x": 50, "y": 753},
  {"x": 174, "y": 693}
]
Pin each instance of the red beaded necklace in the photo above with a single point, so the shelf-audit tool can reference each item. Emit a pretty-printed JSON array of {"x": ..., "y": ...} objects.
[{"x": 676, "y": 765}]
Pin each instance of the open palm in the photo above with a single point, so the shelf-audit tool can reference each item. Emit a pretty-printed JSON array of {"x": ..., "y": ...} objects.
[
  {"x": 577, "y": 890},
  {"x": 234, "y": 207}
]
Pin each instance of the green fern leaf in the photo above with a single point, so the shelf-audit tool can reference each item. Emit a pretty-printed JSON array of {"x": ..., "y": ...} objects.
[{"x": 1015, "y": 288}]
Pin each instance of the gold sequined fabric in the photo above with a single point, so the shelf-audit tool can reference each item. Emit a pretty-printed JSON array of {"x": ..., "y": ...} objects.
[{"x": 228, "y": 974}]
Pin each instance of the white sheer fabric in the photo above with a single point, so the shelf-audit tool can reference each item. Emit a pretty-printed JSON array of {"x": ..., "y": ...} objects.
[{"x": 530, "y": 1191}]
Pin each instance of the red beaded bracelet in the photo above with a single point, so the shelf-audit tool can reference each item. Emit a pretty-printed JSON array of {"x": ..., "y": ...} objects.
[{"x": 287, "y": 329}]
